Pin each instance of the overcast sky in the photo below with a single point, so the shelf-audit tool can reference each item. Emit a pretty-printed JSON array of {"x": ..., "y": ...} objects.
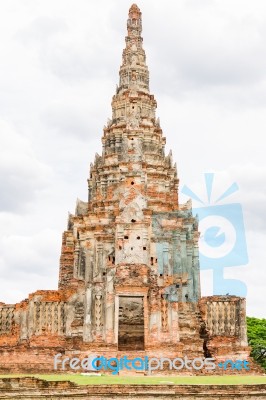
[{"x": 58, "y": 71}]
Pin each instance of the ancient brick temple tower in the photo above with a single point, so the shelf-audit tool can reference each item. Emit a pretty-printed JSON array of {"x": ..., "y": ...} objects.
[
  {"x": 125, "y": 239},
  {"x": 129, "y": 268}
]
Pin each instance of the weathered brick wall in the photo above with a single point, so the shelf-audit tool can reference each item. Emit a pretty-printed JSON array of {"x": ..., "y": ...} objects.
[
  {"x": 6, "y": 318},
  {"x": 52, "y": 322},
  {"x": 225, "y": 319},
  {"x": 225, "y": 316}
]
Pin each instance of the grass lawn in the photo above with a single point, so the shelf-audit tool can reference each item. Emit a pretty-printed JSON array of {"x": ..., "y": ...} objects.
[{"x": 179, "y": 380}]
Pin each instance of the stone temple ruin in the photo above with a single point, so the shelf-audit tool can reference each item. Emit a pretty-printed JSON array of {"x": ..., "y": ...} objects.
[{"x": 129, "y": 280}]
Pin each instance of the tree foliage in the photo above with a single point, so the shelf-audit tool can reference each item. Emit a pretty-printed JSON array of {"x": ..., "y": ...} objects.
[{"x": 256, "y": 329}]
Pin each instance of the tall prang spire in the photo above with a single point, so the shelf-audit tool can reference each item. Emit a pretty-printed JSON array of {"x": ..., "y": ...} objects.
[
  {"x": 133, "y": 142},
  {"x": 133, "y": 106},
  {"x": 134, "y": 73}
]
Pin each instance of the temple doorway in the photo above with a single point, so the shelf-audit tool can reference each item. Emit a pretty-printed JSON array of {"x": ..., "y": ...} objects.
[{"x": 131, "y": 323}]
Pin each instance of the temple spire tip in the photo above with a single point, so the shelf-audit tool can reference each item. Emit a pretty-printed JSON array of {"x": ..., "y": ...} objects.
[{"x": 134, "y": 11}]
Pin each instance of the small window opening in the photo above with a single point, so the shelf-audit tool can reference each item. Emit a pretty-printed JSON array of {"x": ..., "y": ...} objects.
[
  {"x": 144, "y": 248},
  {"x": 133, "y": 220}
]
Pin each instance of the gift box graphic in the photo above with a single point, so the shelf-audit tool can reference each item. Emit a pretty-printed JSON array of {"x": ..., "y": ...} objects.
[{"x": 222, "y": 241}]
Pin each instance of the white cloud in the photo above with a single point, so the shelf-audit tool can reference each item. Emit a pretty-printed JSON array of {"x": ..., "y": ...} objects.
[
  {"x": 22, "y": 175},
  {"x": 41, "y": 29},
  {"x": 27, "y": 263}
]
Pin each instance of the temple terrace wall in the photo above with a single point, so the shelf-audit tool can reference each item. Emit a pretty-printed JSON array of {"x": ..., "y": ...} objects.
[{"x": 34, "y": 389}]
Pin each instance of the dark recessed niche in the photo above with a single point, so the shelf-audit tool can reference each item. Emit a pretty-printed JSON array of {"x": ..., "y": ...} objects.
[
  {"x": 151, "y": 260},
  {"x": 132, "y": 183},
  {"x": 120, "y": 247},
  {"x": 132, "y": 138},
  {"x": 138, "y": 237},
  {"x": 104, "y": 273},
  {"x": 131, "y": 248},
  {"x": 133, "y": 220},
  {"x": 161, "y": 274},
  {"x": 144, "y": 248},
  {"x": 125, "y": 237},
  {"x": 113, "y": 261}
]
